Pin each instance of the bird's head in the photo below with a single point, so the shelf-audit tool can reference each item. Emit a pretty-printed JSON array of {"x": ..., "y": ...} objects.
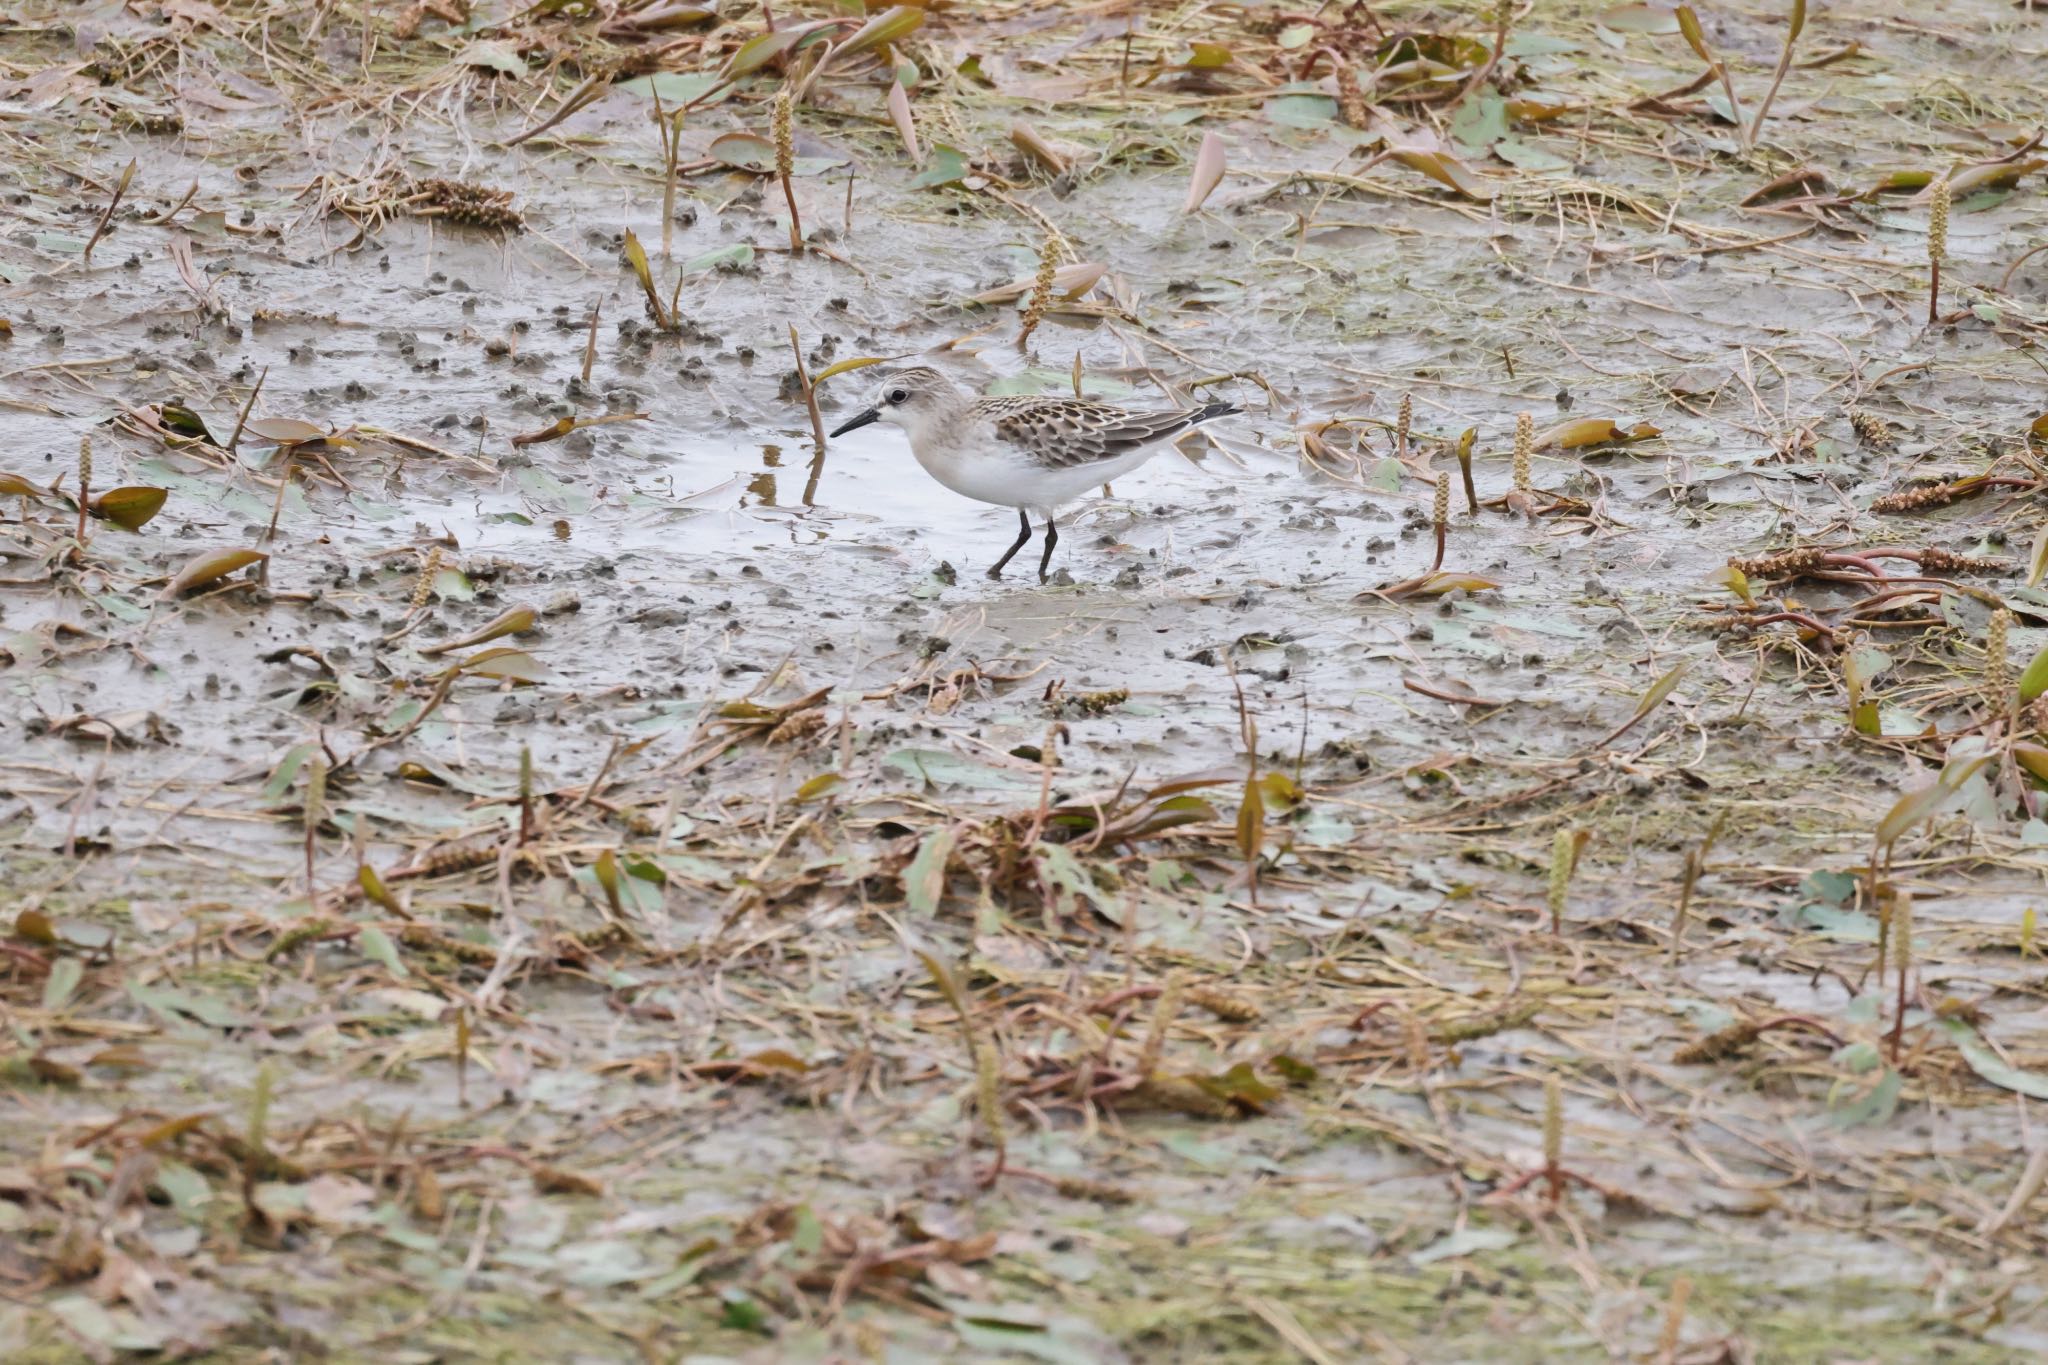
[{"x": 908, "y": 398}]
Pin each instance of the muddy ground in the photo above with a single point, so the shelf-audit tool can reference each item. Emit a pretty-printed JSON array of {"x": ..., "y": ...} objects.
[{"x": 623, "y": 1017}]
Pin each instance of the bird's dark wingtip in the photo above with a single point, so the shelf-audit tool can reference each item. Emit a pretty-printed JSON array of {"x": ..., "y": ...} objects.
[{"x": 1217, "y": 409}]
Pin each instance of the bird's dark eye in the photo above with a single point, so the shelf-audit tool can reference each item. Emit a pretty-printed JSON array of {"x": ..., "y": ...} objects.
[{"x": 898, "y": 395}]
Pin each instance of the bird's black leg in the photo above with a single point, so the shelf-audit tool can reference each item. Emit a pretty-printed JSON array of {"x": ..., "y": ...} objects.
[
  {"x": 995, "y": 570},
  {"x": 1052, "y": 538}
]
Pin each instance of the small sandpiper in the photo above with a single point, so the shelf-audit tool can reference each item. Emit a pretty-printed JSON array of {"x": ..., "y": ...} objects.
[{"x": 1035, "y": 454}]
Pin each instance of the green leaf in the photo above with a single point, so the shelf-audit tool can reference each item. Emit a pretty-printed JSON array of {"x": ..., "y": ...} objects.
[
  {"x": 737, "y": 253},
  {"x": 497, "y": 56},
  {"x": 740, "y": 1312},
  {"x": 1824, "y": 884},
  {"x": 1057, "y": 863},
  {"x": 2034, "y": 681},
  {"x": 1464, "y": 1242},
  {"x": 1539, "y": 45},
  {"x": 924, "y": 884},
  {"x": 129, "y": 508},
  {"x": 286, "y": 771},
  {"x": 941, "y": 768},
  {"x": 505, "y": 662},
  {"x": 65, "y": 974},
  {"x": 945, "y": 166},
  {"x": 114, "y": 1329},
  {"x": 1874, "y": 1105},
  {"x": 377, "y": 946},
  {"x": 676, "y": 88},
  {"x": 1990, "y": 1066},
  {"x": 1302, "y": 111},
  {"x": 1480, "y": 123}
]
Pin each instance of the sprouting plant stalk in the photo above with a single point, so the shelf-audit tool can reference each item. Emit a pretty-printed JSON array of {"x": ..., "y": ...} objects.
[
  {"x": 785, "y": 166},
  {"x": 1251, "y": 812},
  {"x": 1689, "y": 25},
  {"x": 525, "y": 793},
  {"x": 987, "y": 1077},
  {"x": 803, "y": 379},
  {"x": 284, "y": 483},
  {"x": 1937, "y": 245},
  {"x": 1902, "y": 961},
  {"x": 1563, "y": 849},
  {"x": 84, "y": 483},
  {"x": 1695, "y": 866},
  {"x": 242, "y": 419},
  {"x": 462, "y": 1057},
  {"x": 1553, "y": 1136},
  {"x": 1440, "y": 518},
  {"x": 1404, "y": 420},
  {"x": 1465, "y": 468},
  {"x": 1162, "y": 1019},
  {"x": 669, "y": 128},
  {"x": 100, "y": 228},
  {"x": 1674, "y": 1319},
  {"x": 316, "y": 801},
  {"x": 1792, "y": 33},
  {"x": 1525, "y": 448}
]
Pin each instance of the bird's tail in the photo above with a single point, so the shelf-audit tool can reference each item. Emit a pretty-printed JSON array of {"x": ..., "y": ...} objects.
[{"x": 1209, "y": 411}]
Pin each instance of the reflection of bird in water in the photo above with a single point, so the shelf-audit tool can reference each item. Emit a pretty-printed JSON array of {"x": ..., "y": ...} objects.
[{"x": 1033, "y": 454}]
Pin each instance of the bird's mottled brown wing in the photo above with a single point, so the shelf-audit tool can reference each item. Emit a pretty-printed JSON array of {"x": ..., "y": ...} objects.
[{"x": 1071, "y": 433}]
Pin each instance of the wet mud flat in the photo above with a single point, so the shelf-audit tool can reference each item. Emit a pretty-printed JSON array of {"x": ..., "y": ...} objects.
[{"x": 519, "y": 855}]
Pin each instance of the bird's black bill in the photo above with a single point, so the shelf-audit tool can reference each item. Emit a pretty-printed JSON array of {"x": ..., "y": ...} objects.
[{"x": 859, "y": 419}]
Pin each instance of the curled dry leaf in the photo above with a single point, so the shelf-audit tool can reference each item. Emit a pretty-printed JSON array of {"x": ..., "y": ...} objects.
[
  {"x": 129, "y": 508},
  {"x": 181, "y": 421},
  {"x": 821, "y": 785},
  {"x": 505, "y": 662},
  {"x": 1808, "y": 180},
  {"x": 2032, "y": 757},
  {"x": 562, "y": 426},
  {"x": 1037, "y": 150},
  {"x": 1649, "y": 19},
  {"x": 1068, "y": 282},
  {"x": 890, "y": 26},
  {"x": 14, "y": 486},
  {"x": 513, "y": 621},
  {"x": 760, "y": 50},
  {"x": 1581, "y": 432},
  {"x": 1445, "y": 169},
  {"x": 1992, "y": 175},
  {"x": 1208, "y": 172},
  {"x": 1925, "y": 802},
  {"x": 858, "y": 362},
  {"x": 211, "y": 567},
  {"x": 899, "y": 114},
  {"x": 284, "y": 431}
]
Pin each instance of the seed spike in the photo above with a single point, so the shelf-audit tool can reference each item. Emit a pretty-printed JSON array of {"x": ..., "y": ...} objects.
[
  {"x": 1553, "y": 1135},
  {"x": 1041, "y": 290},
  {"x": 84, "y": 482},
  {"x": 1937, "y": 246},
  {"x": 785, "y": 164},
  {"x": 1562, "y": 847}
]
